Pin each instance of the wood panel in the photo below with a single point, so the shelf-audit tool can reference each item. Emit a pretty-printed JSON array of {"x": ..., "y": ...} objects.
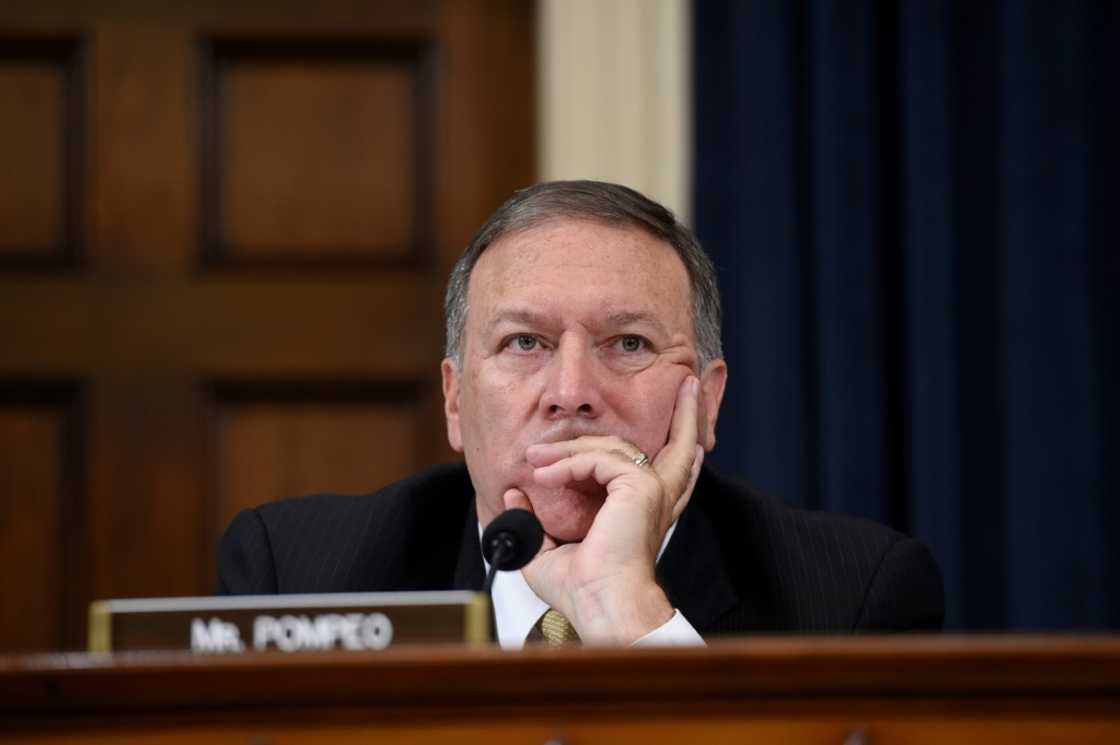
[
  {"x": 317, "y": 151},
  {"x": 146, "y": 448},
  {"x": 271, "y": 444},
  {"x": 245, "y": 198},
  {"x": 40, "y": 137},
  {"x": 142, "y": 200},
  {"x": 39, "y": 473},
  {"x": 238, "y": 325}
]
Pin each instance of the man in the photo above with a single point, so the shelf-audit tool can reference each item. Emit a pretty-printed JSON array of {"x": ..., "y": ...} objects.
[{"x": 582, "y": 381}]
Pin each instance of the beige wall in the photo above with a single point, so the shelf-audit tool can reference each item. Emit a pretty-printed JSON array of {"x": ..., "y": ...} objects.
[{"x": 614, "y": 94}]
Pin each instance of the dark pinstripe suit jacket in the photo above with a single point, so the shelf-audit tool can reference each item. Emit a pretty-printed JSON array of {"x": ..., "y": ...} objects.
[{"x": 738, "y": 562}]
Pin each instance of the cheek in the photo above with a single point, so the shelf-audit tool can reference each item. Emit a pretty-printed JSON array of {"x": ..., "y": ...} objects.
[
  {"x": 490, "y": 415},
  {"x": 650, "y": 411}
]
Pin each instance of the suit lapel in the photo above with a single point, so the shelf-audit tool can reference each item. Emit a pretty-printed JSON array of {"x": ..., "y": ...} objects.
[
  {"x": 468, "y": 568},
  {"x": 691, "y": 570}
]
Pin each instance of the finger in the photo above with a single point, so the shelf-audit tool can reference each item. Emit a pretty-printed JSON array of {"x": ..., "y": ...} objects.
[
  {"x": 546, "y": 453},
  {"x": 602, "y": 466},
  {"x": 678, "y": 507},
  {"x": 515, "y": 499},
  {"x": 674, "y": 462}
]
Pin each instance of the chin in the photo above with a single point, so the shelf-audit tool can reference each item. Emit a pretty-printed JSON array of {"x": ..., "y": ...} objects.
[{"x": 567, "y": 514}]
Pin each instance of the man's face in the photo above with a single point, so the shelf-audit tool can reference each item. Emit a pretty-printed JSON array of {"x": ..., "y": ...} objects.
[{"x": 573, "y": 328}]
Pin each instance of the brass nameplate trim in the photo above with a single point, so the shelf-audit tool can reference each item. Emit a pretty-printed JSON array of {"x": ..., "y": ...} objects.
[{"x": 247, "y": 623}]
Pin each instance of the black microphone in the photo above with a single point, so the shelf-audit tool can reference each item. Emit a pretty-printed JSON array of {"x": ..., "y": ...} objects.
[{"x": 510, "y": 541}]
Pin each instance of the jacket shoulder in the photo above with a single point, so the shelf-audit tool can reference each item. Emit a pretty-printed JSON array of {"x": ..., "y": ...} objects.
[
  {"x": 390, "y": 539},
  {"x": 822, "y": 572}
]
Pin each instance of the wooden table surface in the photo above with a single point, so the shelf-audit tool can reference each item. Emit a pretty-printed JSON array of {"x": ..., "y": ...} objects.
[{"x": 796, "y": 689}]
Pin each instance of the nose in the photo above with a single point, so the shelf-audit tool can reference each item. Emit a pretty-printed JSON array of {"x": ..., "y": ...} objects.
[{"x": 573, "y": 383}]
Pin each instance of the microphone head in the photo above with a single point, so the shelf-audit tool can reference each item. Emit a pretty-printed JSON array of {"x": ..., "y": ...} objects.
[{"x": 521, "y": 535}]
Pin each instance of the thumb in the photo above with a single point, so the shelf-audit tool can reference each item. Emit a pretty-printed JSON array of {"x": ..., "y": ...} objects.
[{"x": 515, "y": 499}]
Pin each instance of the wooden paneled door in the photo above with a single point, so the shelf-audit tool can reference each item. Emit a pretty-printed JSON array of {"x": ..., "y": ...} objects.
[{"x": 225, "y": 229}]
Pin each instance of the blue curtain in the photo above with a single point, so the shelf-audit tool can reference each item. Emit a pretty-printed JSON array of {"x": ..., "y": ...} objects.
[{"x": 914, "y": 210}]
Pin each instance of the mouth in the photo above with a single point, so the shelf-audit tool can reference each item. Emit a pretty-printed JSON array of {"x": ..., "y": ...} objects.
[
  {"x": 584, "y": 491},
  {"x": 567, "y": 430}
]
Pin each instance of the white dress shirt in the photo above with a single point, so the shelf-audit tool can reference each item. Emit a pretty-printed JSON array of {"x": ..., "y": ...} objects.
[{"x": 517, "y": 610}]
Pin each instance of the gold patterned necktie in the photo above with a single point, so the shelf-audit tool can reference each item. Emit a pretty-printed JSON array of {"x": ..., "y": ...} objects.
[{"x": 556, "y": 629}]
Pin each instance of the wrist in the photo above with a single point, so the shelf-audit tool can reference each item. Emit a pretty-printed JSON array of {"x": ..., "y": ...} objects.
[{"x": 621, "y": 613}]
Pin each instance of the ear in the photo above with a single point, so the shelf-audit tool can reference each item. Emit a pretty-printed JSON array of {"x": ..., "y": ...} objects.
[
  {"x": 712, "y": 383},
  {"x": 451, "y": 403}
]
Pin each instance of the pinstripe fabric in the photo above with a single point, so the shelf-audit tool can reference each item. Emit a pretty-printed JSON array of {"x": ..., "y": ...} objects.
[
  {"x": 739, "y": 561},
  {"x": 408, "y": 536}
]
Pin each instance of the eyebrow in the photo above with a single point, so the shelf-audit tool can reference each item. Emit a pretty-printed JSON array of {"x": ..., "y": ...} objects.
[
  {"x": 526, "y": 317},
  {"x": 613, "y": 320},
  {"x": 629, "y": 318}
]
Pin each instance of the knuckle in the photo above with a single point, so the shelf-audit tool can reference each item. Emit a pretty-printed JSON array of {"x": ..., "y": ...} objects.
[{"x": 620, "y": 453}]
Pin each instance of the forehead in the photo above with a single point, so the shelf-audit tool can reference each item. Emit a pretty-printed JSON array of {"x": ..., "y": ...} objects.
[{"x": 568, "y": 267}]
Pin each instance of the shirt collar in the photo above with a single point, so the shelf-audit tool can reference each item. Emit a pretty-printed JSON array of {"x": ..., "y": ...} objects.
[{"x": 517, "y": 608}]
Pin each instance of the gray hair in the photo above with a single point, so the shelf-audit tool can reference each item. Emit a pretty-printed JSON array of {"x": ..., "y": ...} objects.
[{"x": 610, "y": 204}]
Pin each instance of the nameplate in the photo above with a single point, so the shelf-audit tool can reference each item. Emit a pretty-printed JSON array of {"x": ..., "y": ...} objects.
[{"x": 289, "y": 623}]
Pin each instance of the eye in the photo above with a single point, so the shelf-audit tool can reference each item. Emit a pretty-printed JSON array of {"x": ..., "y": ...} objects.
[
  {"x": 631, "y": 343},
  {"x": 524, "y": 342}
]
